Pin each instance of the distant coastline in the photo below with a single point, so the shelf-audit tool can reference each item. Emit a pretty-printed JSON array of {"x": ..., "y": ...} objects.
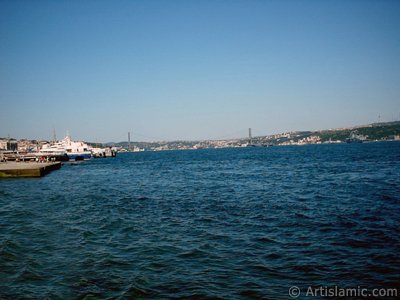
[
  {"x": 372, "y": 132},
  {"x": 384, "y": 131}
]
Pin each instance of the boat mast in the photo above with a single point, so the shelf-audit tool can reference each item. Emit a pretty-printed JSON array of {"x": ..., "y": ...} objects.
[{"x": 54, "y": 135}]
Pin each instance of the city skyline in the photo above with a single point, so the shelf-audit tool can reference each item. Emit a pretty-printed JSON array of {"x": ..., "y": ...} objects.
[{"x": 187, "y": 70}]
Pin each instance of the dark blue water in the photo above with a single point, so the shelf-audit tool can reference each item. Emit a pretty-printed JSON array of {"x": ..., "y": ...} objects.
[{"x": 229, "y": 224}]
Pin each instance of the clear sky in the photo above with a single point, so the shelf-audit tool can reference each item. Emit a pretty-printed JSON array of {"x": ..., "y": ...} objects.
[{"x": 168, "y": 70}]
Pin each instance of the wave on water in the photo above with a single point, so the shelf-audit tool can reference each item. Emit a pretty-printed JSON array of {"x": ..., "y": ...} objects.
[{"x": 206, "y": 224}]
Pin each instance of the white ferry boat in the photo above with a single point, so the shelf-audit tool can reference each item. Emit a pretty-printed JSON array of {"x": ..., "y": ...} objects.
[{"x": 74, "y": 150}]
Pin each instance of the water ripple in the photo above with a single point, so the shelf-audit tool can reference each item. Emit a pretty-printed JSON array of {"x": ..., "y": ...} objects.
[{"x": 208, "y": 224}]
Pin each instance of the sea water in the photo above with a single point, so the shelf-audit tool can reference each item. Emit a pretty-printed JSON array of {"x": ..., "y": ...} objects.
[{"x": 216, "y": 223}]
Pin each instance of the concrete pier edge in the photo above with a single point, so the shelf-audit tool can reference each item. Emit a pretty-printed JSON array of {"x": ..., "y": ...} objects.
[{"x": 27, "y": 169}]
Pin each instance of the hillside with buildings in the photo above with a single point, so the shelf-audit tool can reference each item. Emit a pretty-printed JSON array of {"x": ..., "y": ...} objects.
[
  {"x": 367, "y": 133},
  {"x": 372, "y": 132}
]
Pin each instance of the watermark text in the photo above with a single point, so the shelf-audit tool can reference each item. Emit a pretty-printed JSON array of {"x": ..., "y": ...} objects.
[{"x": 335, "y": 291}]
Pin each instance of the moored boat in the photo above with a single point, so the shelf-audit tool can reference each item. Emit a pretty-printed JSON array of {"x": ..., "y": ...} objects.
[{"x": 66, "y": 147}]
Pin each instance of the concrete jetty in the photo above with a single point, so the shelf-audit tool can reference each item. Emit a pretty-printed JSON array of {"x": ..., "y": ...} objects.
[{"x": 27, "y": 169}]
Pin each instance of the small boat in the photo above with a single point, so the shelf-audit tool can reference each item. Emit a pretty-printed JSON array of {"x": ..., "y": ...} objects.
[
  {"x": 356, "y": 138},
  {"x": 104, "y": 152}
]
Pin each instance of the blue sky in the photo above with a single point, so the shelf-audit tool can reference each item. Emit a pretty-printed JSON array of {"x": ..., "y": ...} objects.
[{"x": 167, "y": 70}]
